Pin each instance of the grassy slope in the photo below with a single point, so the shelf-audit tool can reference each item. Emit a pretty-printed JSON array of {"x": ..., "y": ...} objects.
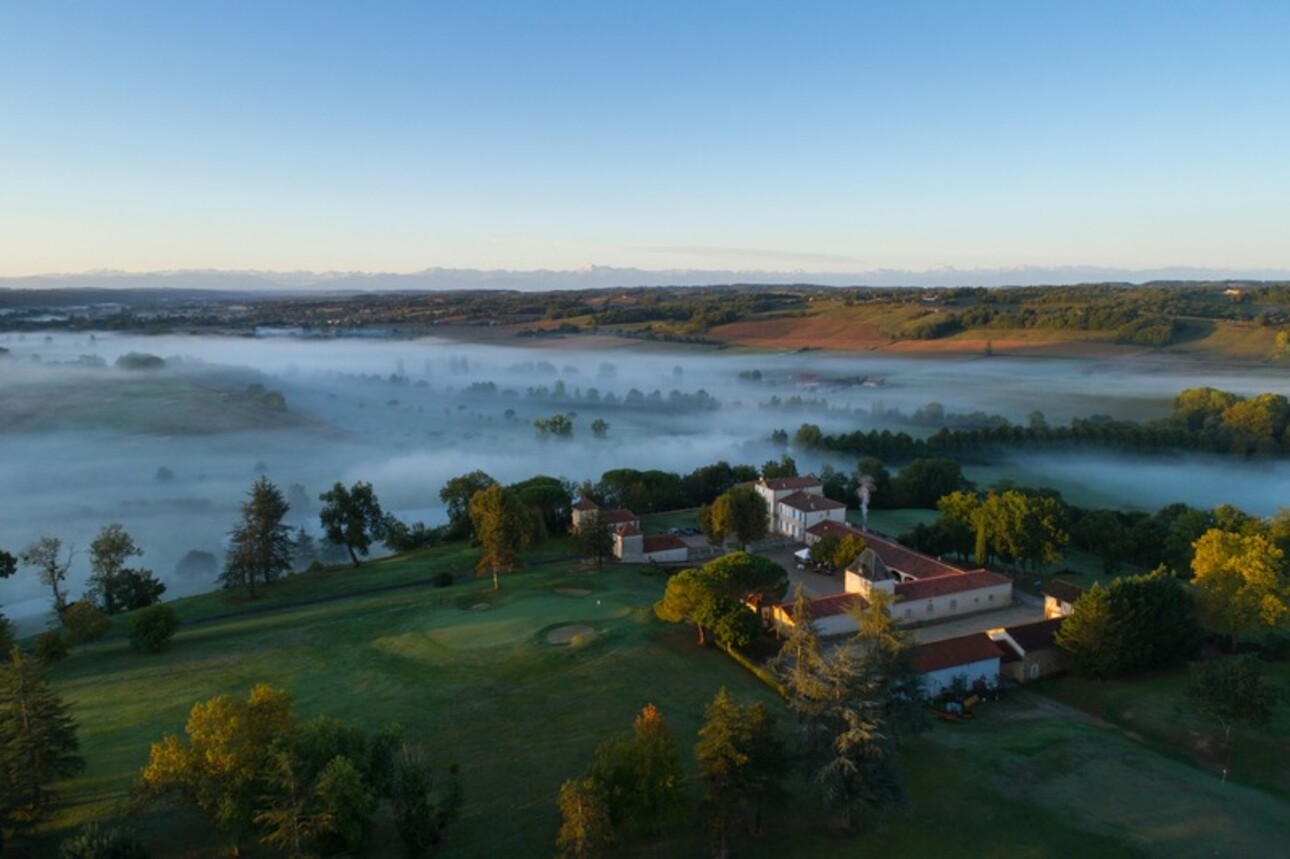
[
  {"x": 482, "y": 688},
  {"x": 1154, "y": 708}
]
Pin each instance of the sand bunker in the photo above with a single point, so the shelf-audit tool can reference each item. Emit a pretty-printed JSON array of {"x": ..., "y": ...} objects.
[
  {"x": 565, "y": 634},
  {"x": 573, "y": 592}
]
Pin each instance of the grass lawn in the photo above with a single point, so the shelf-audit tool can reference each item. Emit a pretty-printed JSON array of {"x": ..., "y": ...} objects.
[
  {"x": 660, "y": 523},
  {"x": 480, "y": 686},
  {"x": 895, "y": 522},
  {"x": 1154, "y": 708}
]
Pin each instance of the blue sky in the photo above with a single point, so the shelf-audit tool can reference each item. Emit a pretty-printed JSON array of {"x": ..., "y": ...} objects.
[{"x": 822, "y": 137}]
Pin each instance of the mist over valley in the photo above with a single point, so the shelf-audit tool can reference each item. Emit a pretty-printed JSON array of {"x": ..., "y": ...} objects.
[{"x": 170, "y": 452}]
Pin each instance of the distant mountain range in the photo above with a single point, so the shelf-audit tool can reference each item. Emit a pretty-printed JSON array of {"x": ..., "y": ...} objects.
[{"x": 603, "y": 277}]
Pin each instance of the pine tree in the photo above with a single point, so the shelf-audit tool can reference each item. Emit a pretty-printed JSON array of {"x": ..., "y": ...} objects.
[
  {"x": 740, "y": 761},
  {"x": 37, "y": 737},
  {"x": 262, "y": 544}
]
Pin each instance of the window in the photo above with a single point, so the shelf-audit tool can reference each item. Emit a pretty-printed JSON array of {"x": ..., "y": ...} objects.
[
  {"x": 929, "y": 606},
  {"x": 954, "y": 604},
  {"x": 991, "y": 597},
  {"x": 909, "y": 612}
]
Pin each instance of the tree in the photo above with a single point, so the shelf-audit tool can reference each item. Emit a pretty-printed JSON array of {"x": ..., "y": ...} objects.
[
  {"x": 785, "y": 467},
  {"x": 456, "y": 495},
  {"x": 1231, "y": 690},
  {"x": 714, "y": 596},
  {"x": 747, "y": 578},
  {"x": 824, "y": 549},
  {"x": 109, "y": 552},
  {"x": 1242, "y": 584},
  {"x": 84, "y": 623},
  {"x": 599, "y": 428},
  {"x": 886, "y": 661},
  {"x": 585, "y": 828},
  {"x": 423, "y": 804},
  {"x": 685, "y": 600},
  {"x": 741, "y": 763},
  {"x": 593, "y": 539},
  {"x": 840, "y": 703},
  {"x": 220, "y": 766},
  {"x": 549, "y": 498},
  {"x": 801, "y": 666},
  {"x": 642, "y": 777},
  {"x": 502, "y": 526},
  {"x": 51, "y": 565},
  {"x": 152, "y": 628},
  {"x": 846, "y": 551},
  {"x": 8, "y": 564},
  {"x": 37, "y": 739},
  {"x": 261, "y": 543},
  {"x": 1135, "y": 624},
  {"x": 924, "y": 481},
  {"x": 136, "y": 589},
  {"x": 739, "y": 513},
  {"x": 352, "y": 518},
  {"x": 288, "y": 817}
]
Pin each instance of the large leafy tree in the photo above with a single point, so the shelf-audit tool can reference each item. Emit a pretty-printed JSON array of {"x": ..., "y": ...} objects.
[
  {"x": 1135, "y": 624},
  {"x": 1231, "y": 690},
  {"x": 38, "y": 742},
  {"x": 741, "y": 762},
  {"x": 924, "y": 481},
  {"x": 714, "y": 596},
  {"x": 739, "y": 514},
  {"x": 52, "y": 563},
  {"x": 586, "y": 830},
  {"x": 261, "y": 543},
  {"x": 456, "y": 495},
  {"x": 112, "y": 586},
  {"x": 549, "y": 498},
  {"x": 352, "y": 518},
  {"x": 220, "y": 767},
  {"x": 503, "y": 525},
  {"x": 686, "y": 600},
  {"x": 642, "y": 777},
  {"x": 1242, "y": 583}
]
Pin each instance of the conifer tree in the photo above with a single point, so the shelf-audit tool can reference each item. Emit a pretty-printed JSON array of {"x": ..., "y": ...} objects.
[{"x": 37, "y": 738}]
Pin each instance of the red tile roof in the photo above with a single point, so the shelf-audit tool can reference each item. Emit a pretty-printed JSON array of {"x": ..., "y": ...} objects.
[
  {"x": 662, "y": 543},
  {"x": 582, "y": 504},
  {"x": 627, "y": 529},
  {"x": 956, "y": 583},
  {"x": 905, "y": 560},
  {"x": 780, "y": 483},
  {"x": 832, "y": 526},
  {"x": 811, "y": 503},
  {"x": 1039, "y": 635},
  {"x": 616, "y": 517},
  {"x": 952, "y": 652},
  {"x": 828, "y": 606},
  {"x": 1063, "y": 591}
]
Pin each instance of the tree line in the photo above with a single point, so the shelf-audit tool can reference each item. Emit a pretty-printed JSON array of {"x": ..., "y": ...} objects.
[{"x": 1203, "y": 419}]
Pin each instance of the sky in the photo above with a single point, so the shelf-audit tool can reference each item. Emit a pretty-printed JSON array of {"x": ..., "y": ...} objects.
[{"x": 823, "y": 137}]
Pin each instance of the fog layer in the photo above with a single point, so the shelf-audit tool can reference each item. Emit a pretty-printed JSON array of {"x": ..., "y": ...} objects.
[{"x": 170, "y": 454}]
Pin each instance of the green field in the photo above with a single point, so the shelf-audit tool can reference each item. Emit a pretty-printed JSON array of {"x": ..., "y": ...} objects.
[{"x": 469, "y": 672}]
